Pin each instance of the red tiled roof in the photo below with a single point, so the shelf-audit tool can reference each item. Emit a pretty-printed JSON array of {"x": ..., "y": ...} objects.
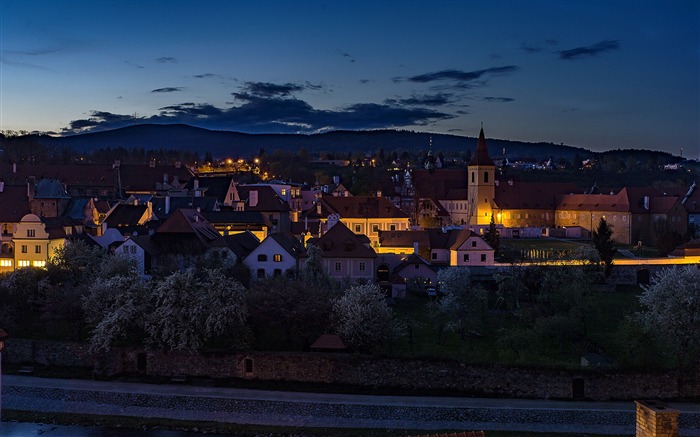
[
  {"x": 360, "y": 206},
  {"x": 71, "y": 175},
  {"x": 14, "y": 204},
  {"x": 329, "y": 342},
  {"x": 531, "y": 195},
  {"x": 594, "y": 202},
  {"x": 437, "y": 184},
  {"x": 268, "y": 200},
  {"x": 341, "y": 242}
]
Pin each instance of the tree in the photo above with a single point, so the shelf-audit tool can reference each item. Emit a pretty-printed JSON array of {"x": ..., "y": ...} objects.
[
  {"x": 492, "y": 236},
  {"x": 667, "y": 238},
  {"x": 602, "y": 240},
  {"x": 363, "y": 319},
  {"x": 74, "y": 261},
  {"x": 671, "y": 309},
  {"x": 463, "y": 304},
  {"x": 191, "y": 312}
]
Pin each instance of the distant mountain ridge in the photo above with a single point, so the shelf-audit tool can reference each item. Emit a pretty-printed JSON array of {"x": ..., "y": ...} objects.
[{"x": 229, "y": 143}]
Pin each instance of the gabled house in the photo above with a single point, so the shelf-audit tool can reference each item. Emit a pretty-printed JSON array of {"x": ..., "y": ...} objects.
[
  {"x": 177, "y": 242},
  {"x": 274, "y": 256},
  {"x": 468, "y": 249},
  {"x": 345, "y": 254},
  {"x": 47, "y": 197},
  {"x": 128, "y": 218},
  {"x": 265, "y": 200},
  {"x": 413, "y": 269},
  {"x": 363, "y": 215},
  {"x": 234, "y": 222},
  {"x": 35, "y": 240},
  {"x": 151, "y": 178}
]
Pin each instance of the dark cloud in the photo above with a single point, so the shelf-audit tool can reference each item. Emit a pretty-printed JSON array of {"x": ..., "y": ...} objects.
[
  {"x": 552, "y": 42},
  {"x": 166, "y": 60},
  {"x": 256, "y": 114},
  {"x": 170, "y": 89},
  {"x": 347, "y": 56},
  {"x": 363, "y": 81},
  {"x": 458, "y": 75},
  {"x": 424, "y": 100},
  {"x": 205, "y": 76},
  {"x": 133, "y": 64},
  {"x": 530, "y": 48},
  {"x": 267, "y": 89},
  {"x": 498, "y": 99},
  {"x": 594, "y": 50}
]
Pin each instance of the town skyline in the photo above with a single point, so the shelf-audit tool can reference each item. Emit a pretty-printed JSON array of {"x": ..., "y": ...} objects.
[{"x": 586, "y": 74}]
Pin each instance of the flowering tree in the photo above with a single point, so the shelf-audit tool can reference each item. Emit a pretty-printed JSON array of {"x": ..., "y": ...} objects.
[
  {"x": 671, "y": 311},
  {"x": 363, "y": 319},
  {"x": 191, "y": 311},
  {"x": 463, "y": 304}
]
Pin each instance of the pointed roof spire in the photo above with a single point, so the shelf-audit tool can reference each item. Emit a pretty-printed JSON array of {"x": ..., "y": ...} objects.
[{"x": 481, "y": 155}]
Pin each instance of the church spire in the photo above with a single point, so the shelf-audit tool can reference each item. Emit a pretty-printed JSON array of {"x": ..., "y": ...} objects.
[{"x": 481, "y": 155}]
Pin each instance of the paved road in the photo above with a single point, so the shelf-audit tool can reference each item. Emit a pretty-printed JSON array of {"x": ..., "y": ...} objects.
[{"x": 292, "y": 409}]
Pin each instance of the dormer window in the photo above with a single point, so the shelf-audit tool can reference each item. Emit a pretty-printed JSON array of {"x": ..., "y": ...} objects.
[{"x": 31, "y": 232}]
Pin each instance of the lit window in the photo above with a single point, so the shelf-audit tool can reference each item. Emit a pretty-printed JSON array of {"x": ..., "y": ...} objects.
[
  {"x": 277, "y": 257},
  {"x": 39, "y": 263},
  {"x": 5, "y": 263},
  {"x": 23, "y": 263}
]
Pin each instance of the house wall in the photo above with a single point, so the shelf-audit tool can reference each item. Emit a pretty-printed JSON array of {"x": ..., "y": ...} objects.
[
  {"x": 32, "y": 246},
  {"x": 136, "y": 252},
  {"x": 341, "y": 268},
  {"x": 619, "y": 222},
  {"x": 524, "y": 218},
  {"x": 269, "y": 248},
  {"x": 366, "y": 226},
  {"x": 439, "y": 256},
  {"x": 418, "y": 271}
]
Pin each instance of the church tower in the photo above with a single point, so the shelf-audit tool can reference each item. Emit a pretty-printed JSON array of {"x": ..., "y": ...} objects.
[{"x": 481, "y": 187}]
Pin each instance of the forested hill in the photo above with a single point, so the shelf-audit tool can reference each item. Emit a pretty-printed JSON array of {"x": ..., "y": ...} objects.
[{"x": 226, "y": 143}]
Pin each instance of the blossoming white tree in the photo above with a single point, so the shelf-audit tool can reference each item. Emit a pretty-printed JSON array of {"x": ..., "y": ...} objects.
[{"x": 671, "y": 311}]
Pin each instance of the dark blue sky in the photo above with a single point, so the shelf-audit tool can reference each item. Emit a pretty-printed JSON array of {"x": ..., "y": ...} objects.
[{"x": 596, "y": 74}]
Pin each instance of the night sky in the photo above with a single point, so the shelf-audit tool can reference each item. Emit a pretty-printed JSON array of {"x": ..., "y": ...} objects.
[{"x": 596, "y": 74}]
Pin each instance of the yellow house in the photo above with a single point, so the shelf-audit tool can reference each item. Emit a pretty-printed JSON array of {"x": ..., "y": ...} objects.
[
  {"x": 35, "y": 242},
  {"x": 363, "y": 215}
]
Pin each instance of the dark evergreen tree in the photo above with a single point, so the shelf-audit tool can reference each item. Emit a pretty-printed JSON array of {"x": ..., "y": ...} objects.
[
  {"x": 602, "y": 240},
  {"x": 492, "y": 236}
]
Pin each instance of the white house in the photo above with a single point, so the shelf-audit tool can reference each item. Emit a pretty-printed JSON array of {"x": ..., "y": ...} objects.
[{"x": 276, "y": 254}]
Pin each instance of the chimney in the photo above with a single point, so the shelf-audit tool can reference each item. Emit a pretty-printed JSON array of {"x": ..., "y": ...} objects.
[
  {"x": 31, "y": 182},
  {"x": 646, "y": 203},
  {"x": 318, "y": 208},
  {"x": 253, "y": 198},
  {"x": 167, "y": 205},
  {"x": 379, "y": 193},
  {"x": 2, "y": 186},
  {"x": 14, "y": 167}
]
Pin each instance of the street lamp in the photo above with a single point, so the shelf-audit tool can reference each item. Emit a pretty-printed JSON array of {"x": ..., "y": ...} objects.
[{"x": 3, "y": 337}]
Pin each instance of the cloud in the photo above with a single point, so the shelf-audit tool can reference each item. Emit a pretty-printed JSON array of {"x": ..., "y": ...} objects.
[
  {"x": 166, "y": 60},
  {"x": 258, "y": 114},
  {"x": 170, "y": 89},
  {"x": 363, "y": 81},
  {"x": 530, "y": 48},
  {"x": 133, "y": 64},
  {"x": 594, "y": 50},
  {"x": 458, "y": 75},
  {"x": 347, "y": 56},
  {"x": 206, "y": 76},
  {"x": 498, "y": 99},
  {"x": 267, "y": 89},
  {"x": 424, "y": 100}
]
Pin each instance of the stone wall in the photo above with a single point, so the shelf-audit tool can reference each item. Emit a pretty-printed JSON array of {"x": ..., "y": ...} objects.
[{"x": 350, "y": 369}]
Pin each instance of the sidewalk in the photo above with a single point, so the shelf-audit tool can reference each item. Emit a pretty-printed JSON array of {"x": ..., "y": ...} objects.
[{"x": 292, "y": 409}]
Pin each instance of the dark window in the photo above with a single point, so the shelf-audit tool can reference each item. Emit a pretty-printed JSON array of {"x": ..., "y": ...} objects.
[
  {"x": 466, "y": 257},
  {"x": 473, "y": 243},
  {"x": 483, "y": 257},
  {"x": 262, "y": 257},
  {"x": 433, "y": 255},
  {"x": 24, "y": 248},
  {"x": 261, "y": 273},
  {"x": 578, "y": 388},
  {"x": 248, "y": 363},
  {"x": 277, "y": 272},
  {"x": 37, "y": 249},
  {"x": 486, "y": 177},
  {"x": 472, "y": 177}
]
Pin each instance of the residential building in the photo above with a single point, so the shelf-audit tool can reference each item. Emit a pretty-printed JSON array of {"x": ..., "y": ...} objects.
[
  {"x": 274, "y": 256},
  {"x": 345, "y": 254}
]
